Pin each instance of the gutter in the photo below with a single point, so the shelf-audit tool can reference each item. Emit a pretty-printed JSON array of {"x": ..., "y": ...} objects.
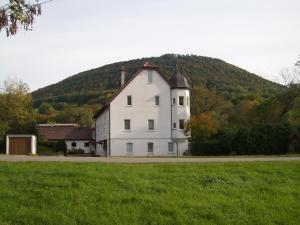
[{"x": 172, "y": 124}]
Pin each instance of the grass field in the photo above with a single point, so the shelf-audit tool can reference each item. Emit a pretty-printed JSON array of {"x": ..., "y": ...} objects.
[{"x": 228, "y": 193}]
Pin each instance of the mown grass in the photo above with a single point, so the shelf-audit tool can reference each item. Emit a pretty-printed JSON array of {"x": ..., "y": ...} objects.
[{"x": 79, "y": 193}]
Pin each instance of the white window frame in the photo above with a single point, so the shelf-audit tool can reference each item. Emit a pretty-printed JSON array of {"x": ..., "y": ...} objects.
[
  {"x": 128, "y": 152},
  {"x": 169, "y": 144},
  {"x": 127, "y": 98},
  {"x": 149, "y": 125},
  {"x": 180, "y": 124},
  {"x": 181, "y": 97},
  {"x": 124, "y": 124},
  {"x": 148, "y": 144},
  {"x": 150, "y": 76},
  {"x": 156, "y": 97}
]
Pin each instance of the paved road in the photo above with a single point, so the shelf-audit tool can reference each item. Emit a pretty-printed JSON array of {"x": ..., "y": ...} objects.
[{"x": 146, "y": 159}]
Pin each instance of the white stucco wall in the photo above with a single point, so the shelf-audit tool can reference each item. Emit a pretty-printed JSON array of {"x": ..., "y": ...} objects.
[
  {"x": 143, "y": 108},
  {"x": 179, "y": 111},
  {"x": 102, "y": 126},
  {"x": 79, "y": 145},
  {"x": 140, "y": 147}
]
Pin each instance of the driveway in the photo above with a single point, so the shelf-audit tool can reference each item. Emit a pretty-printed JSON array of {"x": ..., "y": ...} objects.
[{"x": 10, "y": 158}]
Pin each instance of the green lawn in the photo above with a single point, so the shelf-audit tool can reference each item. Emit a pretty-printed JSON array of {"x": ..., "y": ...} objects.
[{"x": 79, "y": 193}]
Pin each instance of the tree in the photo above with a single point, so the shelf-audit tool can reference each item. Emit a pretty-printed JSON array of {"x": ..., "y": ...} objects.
[
  {"x": 80, "y": 115},
  {"x": 16, "y": 114},
  {"x": 46, "y": 109},
  {"x": 202, "y": 127},
  {"x": 19, "y": 14}
]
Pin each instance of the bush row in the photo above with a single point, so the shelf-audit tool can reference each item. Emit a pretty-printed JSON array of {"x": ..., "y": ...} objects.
[{"x": 257, "y": 139}]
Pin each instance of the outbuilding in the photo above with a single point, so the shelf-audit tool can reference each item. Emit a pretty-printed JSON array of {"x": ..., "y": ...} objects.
[{"x": 21, "y": 144}]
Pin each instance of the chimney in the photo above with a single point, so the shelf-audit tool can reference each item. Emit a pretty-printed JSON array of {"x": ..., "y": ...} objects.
[{"x": 122, "y": 75}]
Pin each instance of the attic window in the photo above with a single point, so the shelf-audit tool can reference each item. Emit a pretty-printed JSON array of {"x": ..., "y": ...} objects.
[
  {"x": 150, "y": 76},
  {"x": 129, "y": 100}
]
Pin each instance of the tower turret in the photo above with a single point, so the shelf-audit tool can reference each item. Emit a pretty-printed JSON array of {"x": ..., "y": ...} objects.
[{"x": 180, "y": 95}]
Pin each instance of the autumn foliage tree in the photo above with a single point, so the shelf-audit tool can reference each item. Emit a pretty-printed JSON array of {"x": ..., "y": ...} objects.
[
  {"x": 16, "y": 114},
  {"x": 18, "y": 14},
  {"x": 202, "y": 126}
]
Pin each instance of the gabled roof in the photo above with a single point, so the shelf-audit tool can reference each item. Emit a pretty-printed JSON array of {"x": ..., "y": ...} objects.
[
  {"x": 80, "y": 133},
  {"x": 146, "y": 66},
  {"x": 57, "y": 132}
]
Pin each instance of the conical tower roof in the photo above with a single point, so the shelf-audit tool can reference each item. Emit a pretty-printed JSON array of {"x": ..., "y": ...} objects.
[{"x": 177, "y": 80}]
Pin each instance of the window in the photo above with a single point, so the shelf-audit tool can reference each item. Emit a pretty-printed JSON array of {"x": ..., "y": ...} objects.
[
  {"x": 174, "y": 101},
  {"x": 150, "y": 76},
  {"x": 174, "y": 125},
  {"x": 86, "y": 144},
  {"x": 187, "y": 101},
  {"x": 129, "y": 148},
  {"x": 150, "y": 124},
  {"x": 156, "y": 100},
  {"x": 150, "y": 147},
  {"x": 171, "y": 147},
  {"x": 181, "y": 100},
  {"x": 127, "y": 125},
  {"x": 73, "y": 144},
  {"x": 181, "y": 124},
  {"x": 129, "y": 100}
]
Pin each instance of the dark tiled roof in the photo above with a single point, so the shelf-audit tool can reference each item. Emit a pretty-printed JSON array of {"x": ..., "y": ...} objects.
[
  {"x": 64, "y": 132},
  {"x": 179, "y": 81},
  {"x": 80, "y": 133}
]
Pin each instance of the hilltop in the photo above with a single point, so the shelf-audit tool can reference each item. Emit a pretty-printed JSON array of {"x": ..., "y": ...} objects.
[{"x": 95, "y": 86}]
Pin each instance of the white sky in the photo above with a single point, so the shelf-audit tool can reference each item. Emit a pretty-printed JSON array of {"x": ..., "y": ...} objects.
[{"x": 261, "y": 36}]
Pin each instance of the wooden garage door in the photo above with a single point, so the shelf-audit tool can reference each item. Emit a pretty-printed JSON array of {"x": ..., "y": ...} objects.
[{"x": 19, "y": 145}]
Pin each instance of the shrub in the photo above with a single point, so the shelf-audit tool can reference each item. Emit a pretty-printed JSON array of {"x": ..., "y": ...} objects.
[{"x": 256, "y": 139}]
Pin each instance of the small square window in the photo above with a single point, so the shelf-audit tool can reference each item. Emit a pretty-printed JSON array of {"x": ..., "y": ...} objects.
[
  {"x": 86, "y": 144},
  {"x": 171, "y": 147},
  {"x": 181, "y": 100},
  {"x": 129, "y": 148},
  {"x": 150, "y": 76},
  {"x": 150, "y": 124},
  {"x": 150, "y": 147},
  {"x": 74, "y": 144},
  {"x": 156, "y": 100},
  {"x": 129, "y": 100},
  {"x": 181, "y": 124},
  {"x": 127, "y": 125}
]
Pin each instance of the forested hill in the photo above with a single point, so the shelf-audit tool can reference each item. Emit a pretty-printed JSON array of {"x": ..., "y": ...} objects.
[{"x": 96, "y": 85}]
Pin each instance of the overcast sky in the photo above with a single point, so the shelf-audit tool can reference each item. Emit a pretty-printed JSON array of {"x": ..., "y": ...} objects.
[{"x": 261, "y": 36}]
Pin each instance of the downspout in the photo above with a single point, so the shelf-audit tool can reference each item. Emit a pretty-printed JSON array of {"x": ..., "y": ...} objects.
[
  {"x": 109, "y": 141},
  {"x": 172, "y": 123}
]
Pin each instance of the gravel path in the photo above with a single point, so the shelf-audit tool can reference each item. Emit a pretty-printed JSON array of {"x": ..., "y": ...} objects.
[{"x": 10, "y": 158}]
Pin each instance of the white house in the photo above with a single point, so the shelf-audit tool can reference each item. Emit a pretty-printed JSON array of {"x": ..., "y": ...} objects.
[{"x": 146, "y": 116}]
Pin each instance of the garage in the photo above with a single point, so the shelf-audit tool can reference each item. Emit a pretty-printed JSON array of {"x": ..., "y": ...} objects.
[{"x": 20, "y": 144}]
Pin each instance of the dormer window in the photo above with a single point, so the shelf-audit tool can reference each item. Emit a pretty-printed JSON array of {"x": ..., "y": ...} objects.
[
  {"x": 129, "y": 100},
  {"x": 181, "y": 100},
  {"x": 150, "y": 76}
]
